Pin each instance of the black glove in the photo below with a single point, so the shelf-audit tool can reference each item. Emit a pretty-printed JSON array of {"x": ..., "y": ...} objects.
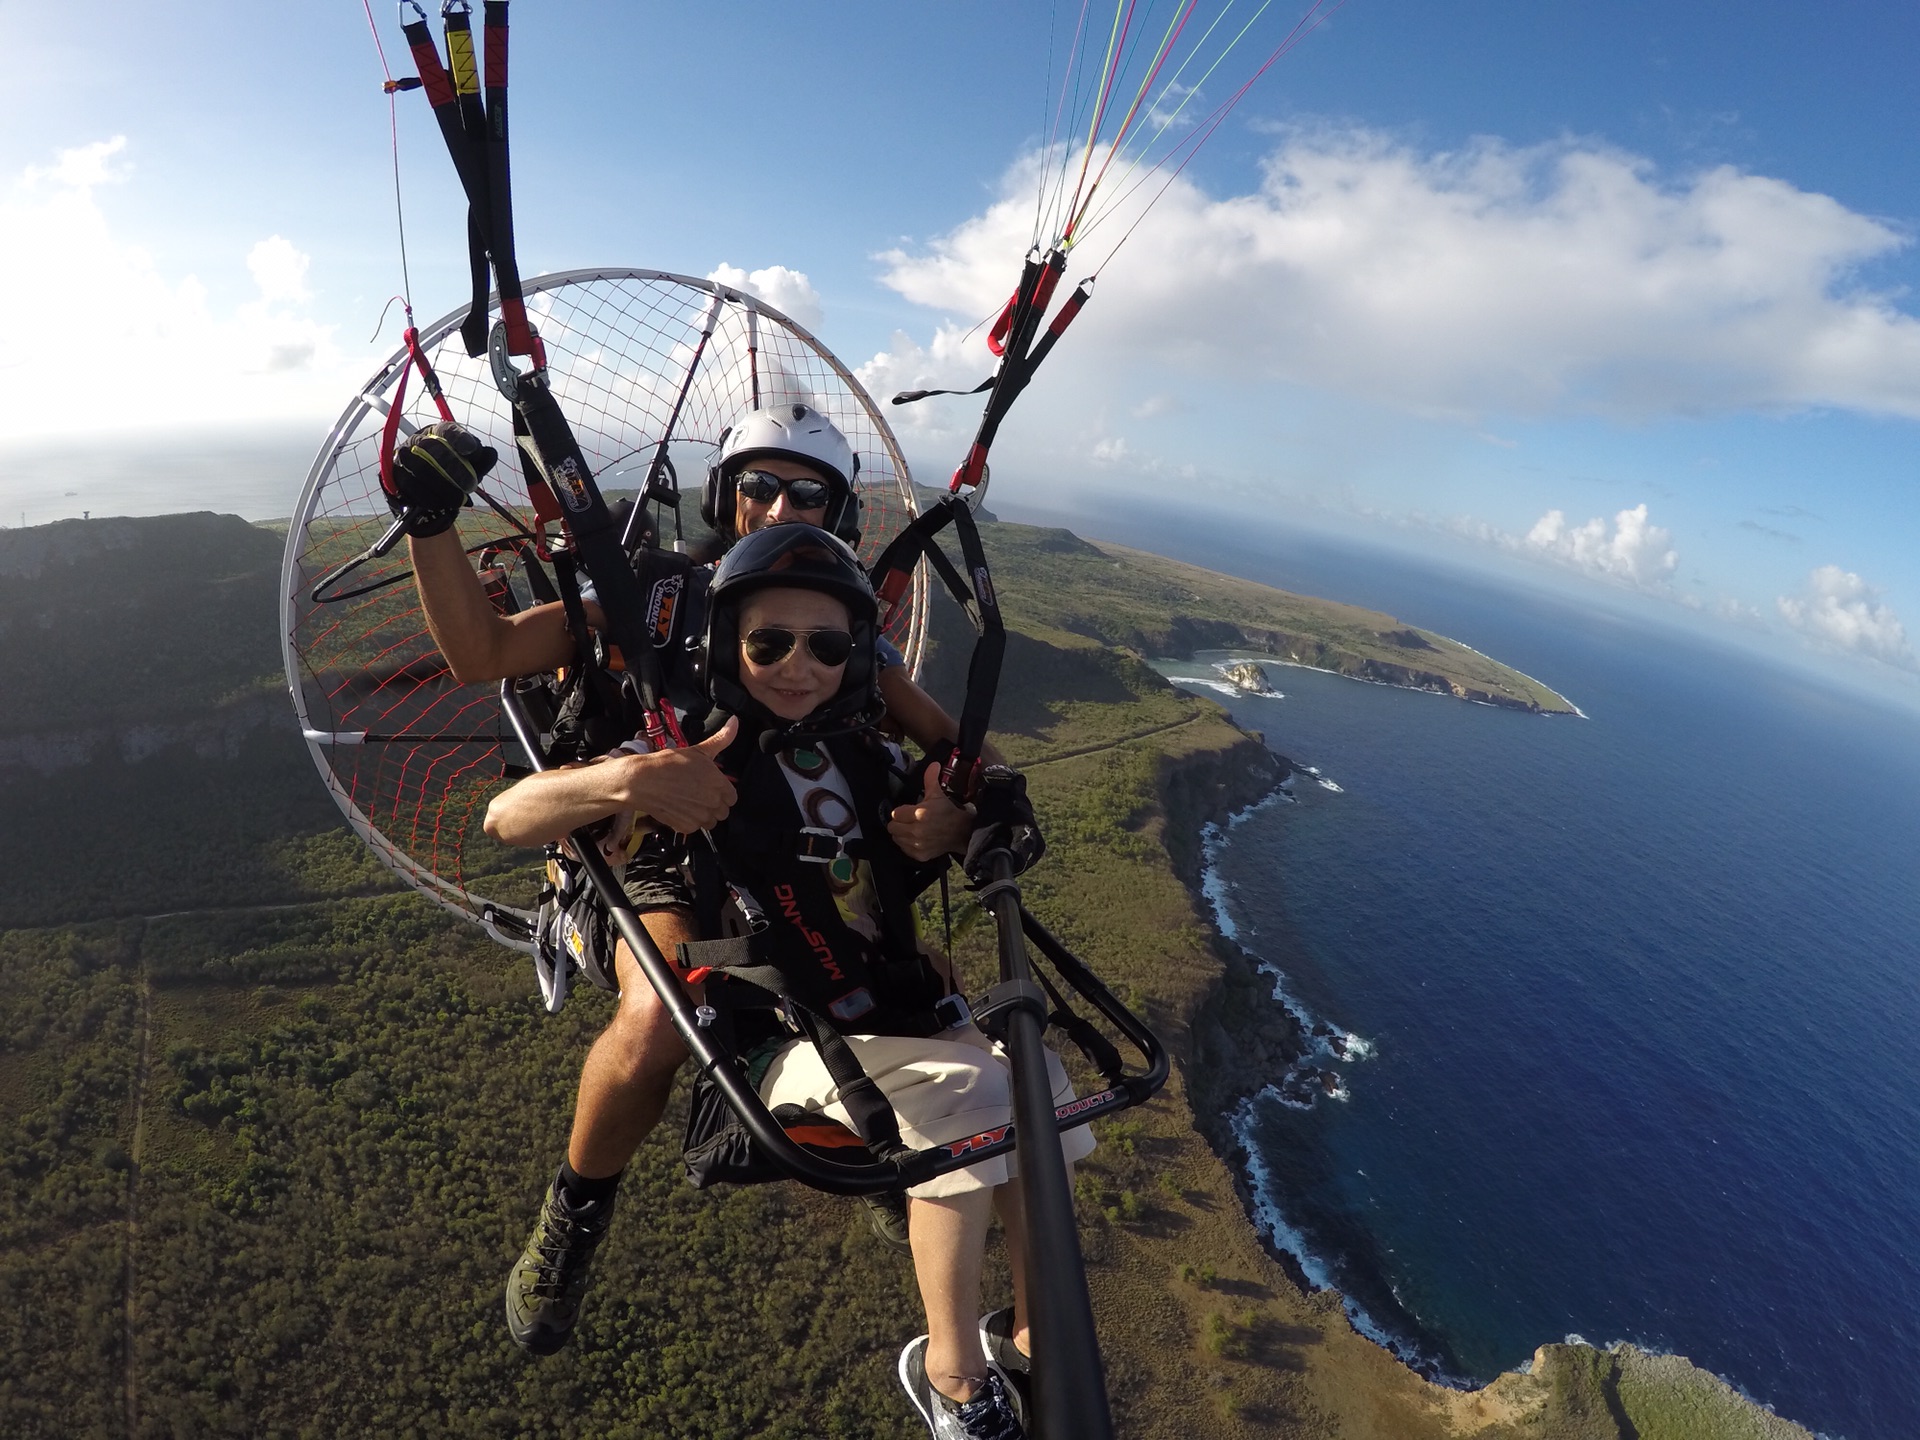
[
  {"x": 434, "y": 473},
  {"x": 1003, "y": 820}
]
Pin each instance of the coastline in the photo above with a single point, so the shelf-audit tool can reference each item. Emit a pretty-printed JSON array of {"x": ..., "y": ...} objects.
[
  {"x": 1246, "y": 1028},
  {"x": 1262, "y": 657}
]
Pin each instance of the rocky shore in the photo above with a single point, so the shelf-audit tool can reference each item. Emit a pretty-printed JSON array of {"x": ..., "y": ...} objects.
[{"x": 1238, "y": 1036}]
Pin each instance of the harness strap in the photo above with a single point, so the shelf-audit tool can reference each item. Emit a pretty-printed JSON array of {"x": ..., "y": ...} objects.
[
  {"x": 893, "y": 572},
  {"x": 555, "y": 455},
  {"x": 764, "y": 986},
  {"x": 569, "y": 587},
  {"x": 506, "y": 267},
  {"x": 1015, "y": 328},
  {"x": 899, "y": 941},
  {"x": 451, "y": 109}
]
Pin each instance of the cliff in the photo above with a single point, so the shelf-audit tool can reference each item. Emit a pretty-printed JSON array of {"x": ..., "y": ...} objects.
[{"x": 1237, "y": 1037}]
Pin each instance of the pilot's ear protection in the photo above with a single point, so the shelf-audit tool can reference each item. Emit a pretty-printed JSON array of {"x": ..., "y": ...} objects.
[{"x": 710, "y": 496}]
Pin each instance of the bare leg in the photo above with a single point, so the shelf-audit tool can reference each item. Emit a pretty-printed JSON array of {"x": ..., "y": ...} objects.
[
  {"x": 1011, "y": 1207},
  {"x": 628, "y": 1075},
  {"x": 949, "y": 1246}
]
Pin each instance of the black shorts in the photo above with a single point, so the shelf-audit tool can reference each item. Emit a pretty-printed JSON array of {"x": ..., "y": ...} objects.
[{"x": 656, "y": 877}]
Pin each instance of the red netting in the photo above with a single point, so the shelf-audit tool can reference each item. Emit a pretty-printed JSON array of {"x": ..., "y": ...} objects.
[{"x": 411, "y": 755}]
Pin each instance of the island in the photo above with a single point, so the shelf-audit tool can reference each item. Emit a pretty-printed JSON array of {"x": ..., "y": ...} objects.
[
  {"x": 1246, "y": 676},
  {"x": 274, "y": 1124}
]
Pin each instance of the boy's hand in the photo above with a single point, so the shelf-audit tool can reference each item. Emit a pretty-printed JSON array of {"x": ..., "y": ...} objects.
[
  {"x": 685, "y": 790},
  {"x": 933, "y": 826}
]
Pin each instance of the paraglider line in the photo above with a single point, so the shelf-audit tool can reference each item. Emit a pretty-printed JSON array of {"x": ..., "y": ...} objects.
[
  {"x": 393, "y": 87},
  {"x": 1308, "y": 23}
]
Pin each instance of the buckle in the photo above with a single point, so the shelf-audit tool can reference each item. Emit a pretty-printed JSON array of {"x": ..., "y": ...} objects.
[{"x": 818, "y": 846}]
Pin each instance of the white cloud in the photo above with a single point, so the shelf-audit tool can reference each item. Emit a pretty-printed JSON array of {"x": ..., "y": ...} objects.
[
  {"x": 1557, "y": 279},
  {"x": 99, "y": 305},
  {"x": 788, "y": 291},
  {"x": 82, "y": 167},
  {"x": 1633, "y": 550},
  {"x": 279, "y": 270},
  {"x": 1157, "y": 405},
  {"x": 1840, "y": 609}
]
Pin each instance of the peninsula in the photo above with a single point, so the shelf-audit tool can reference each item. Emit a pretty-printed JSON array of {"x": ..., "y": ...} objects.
[{"x": 1160, "y": 607}]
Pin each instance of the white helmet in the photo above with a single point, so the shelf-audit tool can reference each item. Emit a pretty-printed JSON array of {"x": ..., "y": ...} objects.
[{"x": 795, "y": 432}]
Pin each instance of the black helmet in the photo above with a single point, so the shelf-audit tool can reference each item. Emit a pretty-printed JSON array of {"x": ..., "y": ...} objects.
[{"x": 800, "y": 557}]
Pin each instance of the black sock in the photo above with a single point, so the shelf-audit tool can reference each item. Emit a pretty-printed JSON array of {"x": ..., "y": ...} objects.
[{"x": 579, "y": 1191}]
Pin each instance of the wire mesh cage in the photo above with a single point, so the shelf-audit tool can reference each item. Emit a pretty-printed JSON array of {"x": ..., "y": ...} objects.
[{"x": 410, "y": 754}]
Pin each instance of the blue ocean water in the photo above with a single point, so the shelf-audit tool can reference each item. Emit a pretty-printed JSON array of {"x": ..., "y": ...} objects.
[{"x": 1641, "y": 993}]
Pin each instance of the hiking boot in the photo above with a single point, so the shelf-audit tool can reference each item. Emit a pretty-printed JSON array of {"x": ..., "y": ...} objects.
[
  {"x": 996, "y": 1338},
  {"x": 550, "y": 1278},
  {"x": 887, "y": 1217},
  {"x": 990, "y": 1415}
]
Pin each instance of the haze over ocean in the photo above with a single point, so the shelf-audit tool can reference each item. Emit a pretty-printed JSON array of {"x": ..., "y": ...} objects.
[{"x": 1641, "y": 992}]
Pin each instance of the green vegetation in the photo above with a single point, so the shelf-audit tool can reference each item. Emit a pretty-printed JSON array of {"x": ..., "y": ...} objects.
[
  {"x": 271, "y": 1133},
  {"x": 1156, "y": 606}
]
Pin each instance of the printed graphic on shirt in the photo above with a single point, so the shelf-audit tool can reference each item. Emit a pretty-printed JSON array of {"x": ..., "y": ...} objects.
[{"x": 826, "y": 802}]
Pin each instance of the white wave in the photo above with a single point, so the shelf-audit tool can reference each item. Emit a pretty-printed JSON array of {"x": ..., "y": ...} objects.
[
  {"x": 1326, "y": 784},
  {"x": 1214, "y": 888},
  {"x": 1272, "y": 1224},
  {"x": 1323, "y": 1038}
]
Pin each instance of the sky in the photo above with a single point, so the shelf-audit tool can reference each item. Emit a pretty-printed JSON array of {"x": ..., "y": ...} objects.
[{"x": 1622, "y": 295}]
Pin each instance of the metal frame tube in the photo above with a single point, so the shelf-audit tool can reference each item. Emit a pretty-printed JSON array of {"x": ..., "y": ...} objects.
[{"x": 1069, "y": 1382}]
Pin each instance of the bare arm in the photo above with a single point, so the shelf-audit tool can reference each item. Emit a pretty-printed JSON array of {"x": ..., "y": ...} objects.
[
  {"x": 924, "y": 720},
  {"x": 479, "y": 643},
  {"x": 683, "y": 790}
]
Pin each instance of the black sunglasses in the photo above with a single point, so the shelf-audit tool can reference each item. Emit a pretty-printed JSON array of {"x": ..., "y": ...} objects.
[
  {"x": 770, "y": 644},
  {"x": 764, "y": 487}
]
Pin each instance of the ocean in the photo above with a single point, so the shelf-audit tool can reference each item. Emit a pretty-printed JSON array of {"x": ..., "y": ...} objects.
[{"x": 1633, "y": 998}]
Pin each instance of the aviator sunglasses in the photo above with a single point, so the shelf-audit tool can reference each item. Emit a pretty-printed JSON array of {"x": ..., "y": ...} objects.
[
  {"x": 770, "y": 644},
  {"x": 805, "y": 493}
]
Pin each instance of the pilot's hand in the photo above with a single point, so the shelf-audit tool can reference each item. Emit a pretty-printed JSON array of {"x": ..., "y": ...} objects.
[{"x": 435, "y": 472}]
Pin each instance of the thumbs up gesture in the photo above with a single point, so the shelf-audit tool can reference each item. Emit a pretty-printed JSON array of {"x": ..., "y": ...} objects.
[
  {"x": 685, "y": 790},
  {"x": 933, "y": 825}
]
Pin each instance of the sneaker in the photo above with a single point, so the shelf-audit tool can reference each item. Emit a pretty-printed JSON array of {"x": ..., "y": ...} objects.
[
  {"x": 887, "y": 1217},
  {"x": 550, "y": 1278},
  {"x": 990, "y": 1415},
  {"x": 996, "y": 1338}
]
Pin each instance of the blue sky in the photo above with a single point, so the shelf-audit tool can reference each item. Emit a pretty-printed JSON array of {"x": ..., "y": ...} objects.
[{"x": 1452, "y": 271}]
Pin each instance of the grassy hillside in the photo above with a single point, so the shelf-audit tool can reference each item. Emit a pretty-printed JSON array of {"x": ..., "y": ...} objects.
[
  {"x": 270, "y": 1134},
  {"x": 1156, "y": 606}
]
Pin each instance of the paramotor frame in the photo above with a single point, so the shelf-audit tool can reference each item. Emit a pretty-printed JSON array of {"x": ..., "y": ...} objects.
[{"x": 410, "y": 754}]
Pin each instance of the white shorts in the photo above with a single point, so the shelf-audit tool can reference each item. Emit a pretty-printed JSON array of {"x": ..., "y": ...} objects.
[{"x": 943, "y": 1088}]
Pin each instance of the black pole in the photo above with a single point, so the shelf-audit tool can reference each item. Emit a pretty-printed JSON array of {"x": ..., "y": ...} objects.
[{"x": 1069, "y": 1383}]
